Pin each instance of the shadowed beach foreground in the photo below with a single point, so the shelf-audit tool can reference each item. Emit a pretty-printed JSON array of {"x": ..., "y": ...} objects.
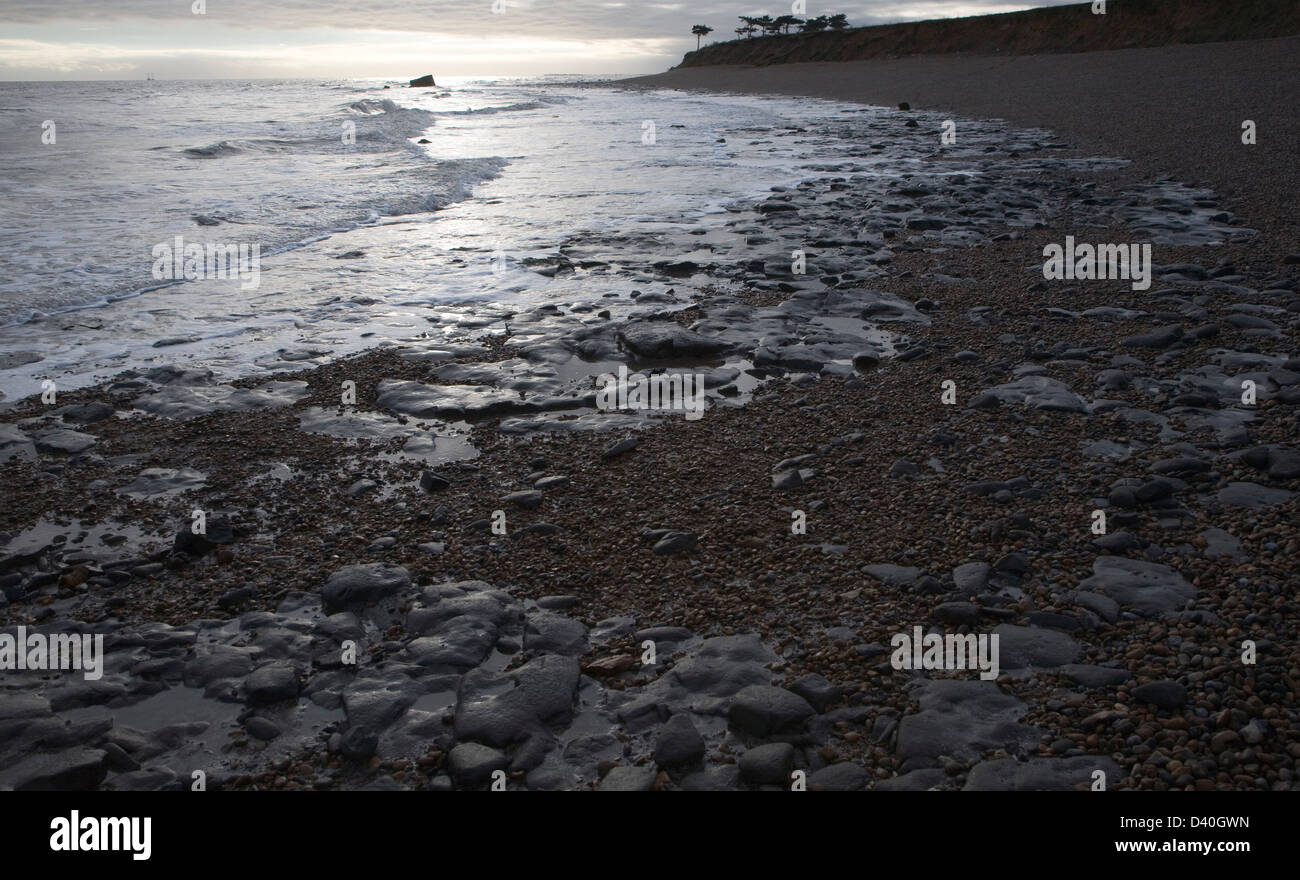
[{"x": 653, "y": 616}]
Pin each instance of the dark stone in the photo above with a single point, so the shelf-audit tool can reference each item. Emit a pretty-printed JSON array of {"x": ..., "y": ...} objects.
[
  {"x": 904, "y": 468},
  {"x": 762, "y": 710},
  {"x": 431, "y": 482},
  {"x": 769, "y": 764},
  {"x": 1162, "y": 337},
  {"x": 217, "y": 532},
  {"x": 622, "y": 446},
  {"x": 362, "y": 584},
  {"x": 679, "y": 744},
  {"x": 272, "y": 683},
  {"x": 624, "y": 778},
  {"x": 359, "y": 743},
  {"x": 1118, "y": 542},
  {"x": 818, "y": 691},
  {"x": 1164, "y": 694},
  {"x": 839, "y": 777},
  {"x": 676, "y": 542},
  {"x": 73, "y": 770},
  {"x": 262, "y": 728},
  {"x": 234, "y": 598},
  {"x": 472, "y": 764},
  {"x": 1014, "y": 563},
  {"x": 529, "y": 499},
  {"x": 1154, "y": 490}
]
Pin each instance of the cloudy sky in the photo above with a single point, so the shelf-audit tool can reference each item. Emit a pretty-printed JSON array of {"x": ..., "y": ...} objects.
[{"x": 173, "y": 39}]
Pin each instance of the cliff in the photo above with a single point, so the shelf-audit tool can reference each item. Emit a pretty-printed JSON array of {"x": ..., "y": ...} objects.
[{"x": 1127, "y": 24}]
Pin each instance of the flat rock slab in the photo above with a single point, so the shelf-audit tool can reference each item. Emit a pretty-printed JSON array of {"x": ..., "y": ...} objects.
[
  {"x": 1030, "y": 647},
  {"x": 1039, "y": 392},
  {"x": 445, "y": 401},
  {"x": 1251, "y": 495},
  {"x": 11, "y": 359},
  {"x": 1149, "y": 588},
  {"x": 667, "y": 340},
  {"x": 15, "y": 444},
  {"x": 183, "y": 401},
  {"x": 272, "y": 683},
  {"x": 62, "y": 441},
  {"x": 1095, "y": 676},
  {"x": 456, "y": 645},
  {"x": 893, "y": 575},
  {"x": 501, "y": 708},
  {"x": 158, "y": 482},
  {"x": 705, "y": 681},
  {"x": 960, "y": 719},
  {"x": 73, "y": 770},
  {"x": 547, "y": 633},
  {"x": 86, "y": 413},
  {"x": 1219, "y": 543},
  {"x": 355, "y": 425},
  {"x": 1040, "y": 774}
]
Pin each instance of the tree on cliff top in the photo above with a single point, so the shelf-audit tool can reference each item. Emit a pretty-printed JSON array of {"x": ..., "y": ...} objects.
[
  {"x": 785, "y": 22},
  {"x": 701, "y": 31},
  {"x": 782, "y": 24}
]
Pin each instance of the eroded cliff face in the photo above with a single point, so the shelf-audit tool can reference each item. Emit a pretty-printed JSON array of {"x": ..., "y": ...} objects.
[{"x": 1126, "y": 24}]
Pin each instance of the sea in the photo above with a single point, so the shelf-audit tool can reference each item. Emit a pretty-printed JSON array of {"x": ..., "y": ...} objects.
[{"x": 354, "y": 213}]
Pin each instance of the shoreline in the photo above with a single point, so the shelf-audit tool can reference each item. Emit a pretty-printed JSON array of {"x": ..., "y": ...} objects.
[
  {"x": 972, "y": 517},
  {"x": 1185, "y": 121}
]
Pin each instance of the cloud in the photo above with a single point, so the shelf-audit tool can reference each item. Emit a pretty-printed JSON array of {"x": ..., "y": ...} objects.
[
  {"x": 91, "y": 39},
  {"x": 568, "y": 19}
]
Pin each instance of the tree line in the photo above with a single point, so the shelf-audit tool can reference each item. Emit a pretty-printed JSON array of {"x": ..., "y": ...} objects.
[{"x": 769, "y": 26}]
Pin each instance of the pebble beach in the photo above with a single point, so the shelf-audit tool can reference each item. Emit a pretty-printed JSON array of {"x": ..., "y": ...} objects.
[{"x": 467, "y": 574}]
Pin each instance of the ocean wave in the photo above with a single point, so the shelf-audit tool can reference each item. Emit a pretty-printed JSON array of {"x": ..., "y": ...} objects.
[
  {"x": 488, "y": 111},
  {"x": 420, "y": 186},
  {"x": 212, "y": 151},
  {"x": 374, "y": 106},
  {"x": 377, "y": 123}
]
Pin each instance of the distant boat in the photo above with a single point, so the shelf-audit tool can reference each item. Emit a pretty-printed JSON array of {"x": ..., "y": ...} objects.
[{"x": 149, "y": 78}]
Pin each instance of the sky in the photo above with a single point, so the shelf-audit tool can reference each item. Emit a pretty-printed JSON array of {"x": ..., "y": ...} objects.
[{"x": 328, "y": 39}]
